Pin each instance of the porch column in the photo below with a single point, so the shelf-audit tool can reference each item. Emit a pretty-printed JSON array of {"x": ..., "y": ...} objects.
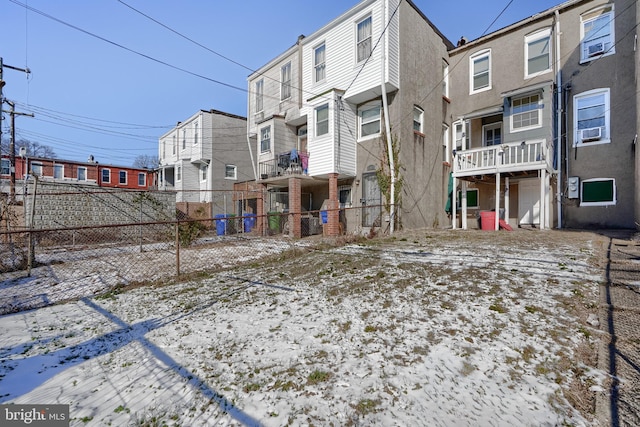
[
  {"x": 295, "y": 207},
  {"x": 464, "y": 205},
  {"x": 333, "y": 214},
  {"x": 260, "y": 216},
  {"x": 506, "y": 200},
  {"x": 454, "y": 201},
  {"x": 497, "y": 219},
  {"x": 543, "y": 200}
]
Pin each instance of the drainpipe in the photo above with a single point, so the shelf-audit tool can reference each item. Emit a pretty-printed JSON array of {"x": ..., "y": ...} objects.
[
  {"x": 253, "y": 161},
  {"x": 387, "y": 126},
  {"x": 559, "y": 185}
]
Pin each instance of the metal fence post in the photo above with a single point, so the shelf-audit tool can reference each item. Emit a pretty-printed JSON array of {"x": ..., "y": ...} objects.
[{"x": 177, "y": 248}]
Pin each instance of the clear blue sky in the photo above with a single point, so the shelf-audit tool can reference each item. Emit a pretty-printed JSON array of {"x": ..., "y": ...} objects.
[{"x": 90, "y": 96}]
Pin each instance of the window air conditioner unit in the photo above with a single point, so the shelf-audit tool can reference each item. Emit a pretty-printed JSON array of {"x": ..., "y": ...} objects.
[
  {"x": 596, "y": 49},
  {"x": 591, "y": 134}
]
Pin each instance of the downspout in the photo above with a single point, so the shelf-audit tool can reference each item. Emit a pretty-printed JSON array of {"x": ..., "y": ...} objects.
[
  {"x": 559, "y": 185},
  {"x": 253, "y": 161},
  {"x": 387, "y": 126}
]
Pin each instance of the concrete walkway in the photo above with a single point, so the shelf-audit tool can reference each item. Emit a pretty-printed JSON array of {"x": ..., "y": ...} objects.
[{"x": 620, "y": 319}]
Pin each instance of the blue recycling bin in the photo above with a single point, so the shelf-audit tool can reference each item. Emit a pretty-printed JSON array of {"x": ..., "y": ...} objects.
[
  {"x": 249, "y": 222},
  {"x": 323, "y": 216},
  {"x": 221, "y": 224}
]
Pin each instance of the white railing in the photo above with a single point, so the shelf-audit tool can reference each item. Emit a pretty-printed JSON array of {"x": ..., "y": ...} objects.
[{"x": 526, "y": 155}]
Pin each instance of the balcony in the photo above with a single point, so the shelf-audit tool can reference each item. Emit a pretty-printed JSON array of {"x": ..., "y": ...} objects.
[
  {"x": 511, "y": 157},
  {"x": 284, "y": 165}
]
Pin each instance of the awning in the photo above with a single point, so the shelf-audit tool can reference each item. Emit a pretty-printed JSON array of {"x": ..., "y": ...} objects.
[
  {"x": 527, "y": 89},
  {"x": 489, "y": 111}
]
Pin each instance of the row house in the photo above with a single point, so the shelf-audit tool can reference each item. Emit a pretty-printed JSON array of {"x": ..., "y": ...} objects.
[
  {"x": 544, "y": 120},
  {"x": 349, "y": 106},
  {"x": 204, "y": 155},
  {"x": 73, "y": 172}
]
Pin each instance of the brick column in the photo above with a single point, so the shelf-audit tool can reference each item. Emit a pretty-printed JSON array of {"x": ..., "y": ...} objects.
[
  {"x": 295, "y": 206},
  {"x": 333, "y": 216},
  {"x": 260, "y": 218}
]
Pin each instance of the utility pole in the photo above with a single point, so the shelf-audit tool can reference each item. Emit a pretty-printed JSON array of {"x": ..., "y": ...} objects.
[
  {"x": 12, "y": 154},
  {"x": 12, "y": 146}
]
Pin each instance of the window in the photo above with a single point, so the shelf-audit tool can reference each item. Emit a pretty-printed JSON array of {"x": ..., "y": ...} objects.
[
  {"x": 597, "y": 32},
  {"x": 598, "y": 192},
  {"x": 369, "y": 116},
  {"x": 526, "y": 113},
  {"x": 142, "y": 179},
  {"x": 319, "y": 64},
  {"x": 344, "y": 196},
  {"x": 418, "y": 116},
  {"x": 259, "y": 95},
  {"x": 184, "y": 139},
  {"x": 5, "y": 167},
  {"x": 230, "y": 171},
  {"x": 179, "y": 173},
  {"x": 446, "y": 150},
  {"x": 195, "y": 133},
  {"x": 492, "y": 134},
  {"x": 164, "y": 149},
  {"x": 480, "y": 71},
  {"x": 82, "y": 173},
  {"x": 322, "y": 120},
  {"x": 122, "y": 177},
  {"x": 173, "y": 147},
  {"x": 445, "y": 79},
  {"x": 106, "y": 175},
  {"x": 204, "y": 172},
  {"x": 364, "y": 39},
  {"x": 537, "y": 53},
  {"x": 285, "y": 81},
  {"x": 36, "y": 169},
  {"x": 591, "y": 117},
  {"x": 58, "y": 171},
  {"x": 462, "y": 132},
  {"x": 472, "y": 199},
  {"x": 265, "y": 139}
]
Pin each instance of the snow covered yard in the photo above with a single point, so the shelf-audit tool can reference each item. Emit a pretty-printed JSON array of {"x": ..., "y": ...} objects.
[{"x": 435, "y": 328}]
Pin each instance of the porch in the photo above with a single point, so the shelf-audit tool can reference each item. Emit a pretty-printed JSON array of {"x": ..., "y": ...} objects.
[{"x": 290, "y": 163}]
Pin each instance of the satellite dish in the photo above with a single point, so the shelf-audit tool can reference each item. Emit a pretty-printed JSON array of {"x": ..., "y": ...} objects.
[
  {"x": 90, "y": 159},
  {"x": 23, "y": 151}
]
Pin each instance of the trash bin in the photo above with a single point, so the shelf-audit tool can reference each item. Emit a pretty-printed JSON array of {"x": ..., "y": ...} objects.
[
  {"x": 488, "y": 220},
  {"x": 249, "y": 222},
  {"x": 274, "y": 221},
  {"x": 221, "y": 224},
  {"x": 324, "y": 217}
]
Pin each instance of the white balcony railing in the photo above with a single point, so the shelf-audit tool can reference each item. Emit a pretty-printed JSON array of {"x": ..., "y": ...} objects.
[{"x": 511, "y": 157}]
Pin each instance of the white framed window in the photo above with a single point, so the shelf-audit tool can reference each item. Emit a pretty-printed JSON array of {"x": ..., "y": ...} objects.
[
  {"x": 58, "y": 171},
  {"x": 418, "y": 119},
  {"x": 230, "y": 172},
  {"x": 178, "y": 173},
  {"x": 285, "y": 81},
  {"x": 173, "y": 147},
  {"x": 265, "y": 139},
  {"x": 461, "y": 135},
  {"x": 322, "y": 120},
  {"x": 537, "y": 53},
  {"x": 526, "y": 113},
  {"x": 5, "y": 167},
  {"x": 36, "y": 168},
  {"x": 259, "y": 95},
  {"x": 480, "y": 71},
  {"x": 370, "y": 118},
  {"x": 106, "y": 175},
  {"x": 363, "y": 39},
  {"x": 195, "y": 133},
  {"x": 122, "y": 177},
  {"x": 204, "y": 172},
  {"x": 82, "y": 173},
  {"x": 591, "y": 121},
  {"x": 598, "y": 192},
  {"x": 445, "y": 79},
  {"x": 344, "y": 196},
  {"x": 446, "y": 146},
  {"x": 184, "y": 139},
  {"x": 492, "y": 134},
  {"x": 319, "y": 65},
  {"x": 164, "y": 149},
  {"x": 597, "y": 33},
  {"x": 142, "y": 179}
]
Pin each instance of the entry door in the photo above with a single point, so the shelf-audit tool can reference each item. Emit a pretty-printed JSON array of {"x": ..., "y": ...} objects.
[
  {"x": 529, "y": 201},
  {"x": 492, "y": 134},
  {"x": 371, "y": 200}
]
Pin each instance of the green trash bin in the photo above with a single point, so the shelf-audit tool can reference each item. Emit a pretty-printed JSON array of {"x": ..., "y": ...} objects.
[{"x": 274, "y": 221}]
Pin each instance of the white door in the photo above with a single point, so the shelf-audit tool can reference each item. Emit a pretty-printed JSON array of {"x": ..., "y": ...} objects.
[{"x": 529, "y": 201}]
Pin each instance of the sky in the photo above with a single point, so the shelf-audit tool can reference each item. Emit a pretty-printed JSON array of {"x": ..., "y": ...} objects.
[{"x": 109, "y": 77}]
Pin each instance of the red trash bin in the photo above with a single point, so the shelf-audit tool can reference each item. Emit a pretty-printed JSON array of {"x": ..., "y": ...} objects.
[{"x": 488, "y": 220}]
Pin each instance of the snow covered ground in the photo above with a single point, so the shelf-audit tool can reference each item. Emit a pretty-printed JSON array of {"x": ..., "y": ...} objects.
[{"x": 436, "y": 328}]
